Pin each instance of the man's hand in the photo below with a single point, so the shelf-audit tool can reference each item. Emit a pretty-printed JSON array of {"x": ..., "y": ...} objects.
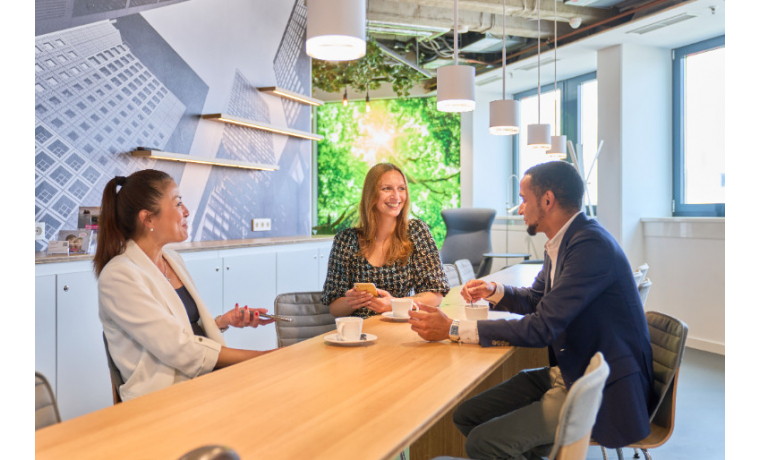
[
  {"x": 475, "y": 290},
  {"x": 430, "y": 323}
]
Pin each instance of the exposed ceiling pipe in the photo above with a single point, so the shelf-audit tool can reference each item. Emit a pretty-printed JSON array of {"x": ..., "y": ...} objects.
[{"x": 583, "y": 29}]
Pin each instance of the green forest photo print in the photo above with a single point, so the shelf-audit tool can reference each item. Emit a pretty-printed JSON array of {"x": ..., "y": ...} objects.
[{"x": 410, "y": 133}]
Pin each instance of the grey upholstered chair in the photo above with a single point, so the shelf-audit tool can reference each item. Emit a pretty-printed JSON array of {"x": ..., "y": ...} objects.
[
  {"x": 464, "y": 268},
  {"x": 310, "y": 317},
  {"x": 579, "y": 412},
  {"x": 468, "y": 236},
  {"x": 211, "y": 453},
  {"x": 668, "y": 338},
  {"x": 452, "y": 275},
  {"x": 116, "y": 380},
  {"x": 45, "y": 408}
]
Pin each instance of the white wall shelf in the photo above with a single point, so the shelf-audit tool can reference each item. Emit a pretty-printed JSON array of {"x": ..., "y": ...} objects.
[
  {"x": 160, "y": 155},
  {"x": 230, "y": 119},
  {"x": 293, "y": 96}
]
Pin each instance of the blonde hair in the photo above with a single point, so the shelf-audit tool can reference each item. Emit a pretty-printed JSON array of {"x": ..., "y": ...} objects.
[{"x": 401, "y": 246}]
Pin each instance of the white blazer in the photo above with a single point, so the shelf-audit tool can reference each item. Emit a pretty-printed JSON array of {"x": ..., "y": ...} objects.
[{"x": 146, "y": 324}]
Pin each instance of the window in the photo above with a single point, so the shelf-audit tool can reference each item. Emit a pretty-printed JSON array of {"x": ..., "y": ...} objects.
[
  {"x": 699, "y": 170},
  {"x": 577, "y": 102}
]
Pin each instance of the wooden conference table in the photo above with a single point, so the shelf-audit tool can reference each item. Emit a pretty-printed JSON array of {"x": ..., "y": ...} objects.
[{"x": 311, "y": 400}]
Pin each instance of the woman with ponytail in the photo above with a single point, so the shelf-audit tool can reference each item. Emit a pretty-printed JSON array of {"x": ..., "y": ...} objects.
[
  {"x": 158, "y": 329},
  {"x": 388, "y": 249}
]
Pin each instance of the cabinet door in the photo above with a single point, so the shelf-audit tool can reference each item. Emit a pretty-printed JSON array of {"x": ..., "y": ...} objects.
[
  {"x": 44, "y": 327},
  {"x": 324, "y": 258},
  {"x": 251, "y": 280},
  {"x": 298, "y": 271},
  {"x": 84, "y": 382},
  {"x": 209, "y": 279}
]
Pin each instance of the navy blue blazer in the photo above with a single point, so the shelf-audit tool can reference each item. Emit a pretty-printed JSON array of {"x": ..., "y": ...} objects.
[{"x": 593, "y": 306}]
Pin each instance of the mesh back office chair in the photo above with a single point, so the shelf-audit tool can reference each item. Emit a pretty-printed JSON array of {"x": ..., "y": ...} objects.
[
  {"x": 468, "y": 236},
  {"x": 211, "y": 453},
  {"x": 452, "y": 275},
  {"x": 45, "y": 408},
  {"x": 578, "y": 413},
  {"x": 116, "y": 380},
  {"x": 668, "y": 337},
  {"x": 310, "y": 317},
  {"x": 464, "y": 268}
]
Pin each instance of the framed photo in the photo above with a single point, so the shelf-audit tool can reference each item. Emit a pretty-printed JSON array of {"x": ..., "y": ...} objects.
[{"x": 79, "y": 240}]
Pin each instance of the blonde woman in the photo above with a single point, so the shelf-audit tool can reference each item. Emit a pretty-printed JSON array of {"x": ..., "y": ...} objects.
[{"x": 387, "y": 248}]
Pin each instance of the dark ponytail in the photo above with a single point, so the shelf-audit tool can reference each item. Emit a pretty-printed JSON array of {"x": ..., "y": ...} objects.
[{"x": 118, "y": 221}]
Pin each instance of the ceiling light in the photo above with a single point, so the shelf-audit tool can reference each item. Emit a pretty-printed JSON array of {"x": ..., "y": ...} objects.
[
  {"x": 345, "y": 97},
  {"x": 504, "y": 114},
  {"x": 456, "y": 83},
  {"x": 558, "y": 148},
  {"x": 539, "y": 135},
  {"x": 369, "y": 109},
  {"x": 336, "y": 29}
]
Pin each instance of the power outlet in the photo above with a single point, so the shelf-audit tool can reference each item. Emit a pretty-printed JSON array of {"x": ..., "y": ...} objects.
[
  {"x": 261, "y": 225},
  {"x": 39, "y": 231}
]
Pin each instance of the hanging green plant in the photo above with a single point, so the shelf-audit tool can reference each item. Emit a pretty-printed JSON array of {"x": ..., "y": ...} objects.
[{"x": 365, "y": 73}]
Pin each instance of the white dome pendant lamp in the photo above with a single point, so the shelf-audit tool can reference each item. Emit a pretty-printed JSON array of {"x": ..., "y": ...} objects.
[
  {"x": 504, "y": 113},
  {"x": 336, "y": 29},
  {"x": 558, "y": 148},
  {"x": 456, "y": 83},
  {"x": 539, "y": 135}
]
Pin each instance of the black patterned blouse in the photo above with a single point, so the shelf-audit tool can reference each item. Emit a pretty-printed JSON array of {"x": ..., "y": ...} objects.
[{"x": 347, "y": 266}]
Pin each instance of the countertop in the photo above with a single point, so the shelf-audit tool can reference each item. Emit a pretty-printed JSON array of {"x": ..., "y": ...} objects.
[{"x": 194, "y": 246}]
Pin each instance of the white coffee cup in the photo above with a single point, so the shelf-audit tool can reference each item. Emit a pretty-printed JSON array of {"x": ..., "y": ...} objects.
[
  {"x": 349, "y": 328},
  {"x": 401, "y": 307},
  {"x": 476, "y": 311}
]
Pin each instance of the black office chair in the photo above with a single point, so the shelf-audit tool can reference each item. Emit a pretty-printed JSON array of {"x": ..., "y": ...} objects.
[{"x": 468, "y": 236}]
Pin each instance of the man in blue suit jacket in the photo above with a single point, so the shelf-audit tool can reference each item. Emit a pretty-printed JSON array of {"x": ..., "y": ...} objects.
[{"x": 584, "y": 300}]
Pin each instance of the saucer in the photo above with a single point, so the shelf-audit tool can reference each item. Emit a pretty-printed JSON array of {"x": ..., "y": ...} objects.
[
  {"x": 389, "y": 315},
  {"x": 333, "y": 338}
]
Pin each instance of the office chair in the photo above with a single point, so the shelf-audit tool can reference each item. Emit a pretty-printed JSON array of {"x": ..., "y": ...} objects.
[
  {"x": 45, "y": 408},
  {"x": 116, "y": 380},
  {"x": 211, "y": 453},
  {"x": 465, "y": 271},
  {"x": 579, "y": 412},
  {"x": 644, "y": 287},
  {"x": 668, "y": 337},
  {"x": 452, "y": 275},
  {"x": 310, "y": 317},
  {"x": 468, "y": 236}
]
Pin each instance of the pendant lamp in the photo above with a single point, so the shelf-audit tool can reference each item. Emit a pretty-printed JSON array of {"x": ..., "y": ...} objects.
[
  {"x": 336, "y": 29},
  {"x": 505, "y": 113},
  {"x": 456, "y": 83},
  {"x": 539, "y": 135},
  {"x": 558, "y": 148}
]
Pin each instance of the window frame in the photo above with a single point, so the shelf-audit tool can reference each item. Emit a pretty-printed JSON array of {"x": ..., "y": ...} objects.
[
  {"x": 679, "y": 208},
  {"x": 570, "y": 110}
]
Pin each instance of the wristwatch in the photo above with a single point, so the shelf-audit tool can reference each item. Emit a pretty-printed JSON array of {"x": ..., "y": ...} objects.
[{"x": 454, "y": 331}]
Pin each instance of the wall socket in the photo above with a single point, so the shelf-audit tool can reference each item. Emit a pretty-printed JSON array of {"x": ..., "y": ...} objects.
[
  {"x": 261, "y": 225},
  {"x": 39, "y": 230}
]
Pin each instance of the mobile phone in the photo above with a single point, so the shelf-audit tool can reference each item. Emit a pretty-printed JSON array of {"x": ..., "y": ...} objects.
[
  {"x": 275, "y": 317},
  {"x": 367, "y": 287}
]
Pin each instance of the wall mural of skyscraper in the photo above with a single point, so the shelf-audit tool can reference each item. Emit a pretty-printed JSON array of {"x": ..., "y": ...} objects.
[{"x": 141, "y": 75}]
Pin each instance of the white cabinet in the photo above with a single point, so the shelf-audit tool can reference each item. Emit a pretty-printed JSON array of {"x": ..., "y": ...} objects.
[
  {"x": 251, "y": 280},
  {"x": 302, "y": 270},
  {"x": 324, "y": 258},
  {"x": 44, "y": 327},
  {"x": 208, "y": 277},
  {"x": 84, "y": 382}
]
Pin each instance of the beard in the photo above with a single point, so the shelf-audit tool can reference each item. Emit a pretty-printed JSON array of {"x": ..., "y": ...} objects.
[{"x": 533, "y": 228}]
